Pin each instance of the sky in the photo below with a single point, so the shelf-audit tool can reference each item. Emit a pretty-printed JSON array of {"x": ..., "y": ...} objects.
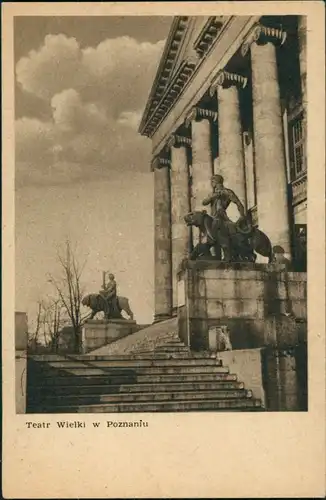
[{"x": 82, "y": 169}]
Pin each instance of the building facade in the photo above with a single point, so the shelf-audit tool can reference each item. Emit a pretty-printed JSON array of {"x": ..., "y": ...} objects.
[{"x": 229, "y": 97}]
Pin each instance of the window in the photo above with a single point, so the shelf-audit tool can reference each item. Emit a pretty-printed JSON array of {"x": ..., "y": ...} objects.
[{"x": 297, "y": 147}]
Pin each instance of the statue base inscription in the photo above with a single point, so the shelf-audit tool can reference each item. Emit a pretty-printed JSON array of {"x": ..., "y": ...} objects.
[
  {"x": 97, "y": 333},
  {"x": 260, "y": 304}
]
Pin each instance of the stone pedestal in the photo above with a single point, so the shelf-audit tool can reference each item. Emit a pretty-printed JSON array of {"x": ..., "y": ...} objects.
[
  {"x": 259, "y": 303},
  {"x": 97, "y": 333}
]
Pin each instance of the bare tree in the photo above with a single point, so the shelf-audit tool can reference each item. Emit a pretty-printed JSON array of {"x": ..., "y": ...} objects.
[
  {"x": 70, "y": 290},
  {"x": 53, "y": 322},
  {"x": 33, "y": 337}
]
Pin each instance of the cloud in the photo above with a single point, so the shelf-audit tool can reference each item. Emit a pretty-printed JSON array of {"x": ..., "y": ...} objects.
[
  {"x": 71, "y": 114},
  {"x": 82, "y": 139},
  {"x": 34, "y": 139},
  {"x": 96, "y": 96},
  {"x": 117, "y": 72},
  {"x": 55, "y": 66}
]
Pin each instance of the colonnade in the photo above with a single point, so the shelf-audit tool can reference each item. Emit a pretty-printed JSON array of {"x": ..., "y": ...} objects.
[{"x": 173, "y": 198}]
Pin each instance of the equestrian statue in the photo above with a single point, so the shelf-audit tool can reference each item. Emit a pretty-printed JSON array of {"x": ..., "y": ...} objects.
[
  {"x": 237, "y": 241},
  {"x": 108, "y": 301}
]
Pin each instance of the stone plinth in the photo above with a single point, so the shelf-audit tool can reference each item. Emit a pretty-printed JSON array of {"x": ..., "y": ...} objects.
[
  {"x": 97, "y": 333},
  {"x": 261, "y": 304}
]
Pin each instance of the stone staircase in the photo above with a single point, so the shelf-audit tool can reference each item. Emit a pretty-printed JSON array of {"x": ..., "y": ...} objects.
[{"x": 166, "y": 378}]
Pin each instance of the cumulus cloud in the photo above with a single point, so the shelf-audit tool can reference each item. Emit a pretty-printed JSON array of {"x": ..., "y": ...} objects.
[
  {"x": 52, "y": 68},
  {"x": 96, "y": 96},
  {"x": 80, "y": 135},
  {"x": 116, "y": 72}
]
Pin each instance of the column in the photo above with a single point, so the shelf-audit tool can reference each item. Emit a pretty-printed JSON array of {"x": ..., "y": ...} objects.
[
  {"x": 231, "y": 154},
  {"x": 302, "y": 35},
  {"x": 272, "y": 197},
  {"x": 162, "y": 239},
  {"x": 180, "y": 206},
  {"x": 202, "y": 158}
]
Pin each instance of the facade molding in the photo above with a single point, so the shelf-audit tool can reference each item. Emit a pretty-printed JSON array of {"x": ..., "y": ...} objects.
[
  {"x": 171, "y": 95},
  {"x": 227, "y": 44},
  {"x": 208, "y": 34},
  {"x": 165, "y": 68},
  {"x": 164, "y": 94}
]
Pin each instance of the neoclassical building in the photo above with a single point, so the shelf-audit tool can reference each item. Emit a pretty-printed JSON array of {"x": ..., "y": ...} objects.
[{"x": 229, "y": 97}]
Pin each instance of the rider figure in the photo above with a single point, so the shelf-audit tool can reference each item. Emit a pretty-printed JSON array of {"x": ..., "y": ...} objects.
[
  {"x": 109, "y": 292},
  {"x": 220, "y": 200}
]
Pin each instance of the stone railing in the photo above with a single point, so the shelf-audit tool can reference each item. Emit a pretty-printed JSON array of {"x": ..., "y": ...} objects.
[{"x": 299, "y": 189}]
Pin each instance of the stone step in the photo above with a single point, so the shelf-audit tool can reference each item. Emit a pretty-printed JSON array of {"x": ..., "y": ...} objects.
[
  {"x": 174, "y": 340},
  {"x": 166, "y": 406},
  {"x": 164, "y": 350},
  {"x": 41, "y": 391},
  {"x": 147, "y": 355},
  {"x": 176, "y": 371},
  {"x": 168, "y": 348},
  {"x": 131, "y": 363},
  {"x": 73, "y": 400},
  {"x": 106, "y": 379}
]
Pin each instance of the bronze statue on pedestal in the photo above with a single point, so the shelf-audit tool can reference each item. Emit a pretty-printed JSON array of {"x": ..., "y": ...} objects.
[
  {"x": 108, "y": 301},
  {"x": 238, "y": 241}
]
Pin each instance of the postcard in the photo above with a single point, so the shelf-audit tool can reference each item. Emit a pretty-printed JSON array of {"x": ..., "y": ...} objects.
[{"x": 163, "y": 310}]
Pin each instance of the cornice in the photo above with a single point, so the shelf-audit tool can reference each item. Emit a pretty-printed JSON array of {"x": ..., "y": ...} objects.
[
  {"x": 208, "y": 34},
  {"x": 172, "y": 92},
  {"x": 164, "y": 95},
  {"x": 165, "y": 67}
]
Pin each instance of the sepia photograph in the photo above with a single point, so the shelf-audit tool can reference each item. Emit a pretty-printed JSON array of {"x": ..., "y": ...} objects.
[
  {"x": 160, "y": 213},
  {"x": 163, "y": 326}
]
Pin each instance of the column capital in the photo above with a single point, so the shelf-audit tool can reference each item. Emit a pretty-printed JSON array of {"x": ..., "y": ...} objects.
[
  {"x": 199, "y": 114},
  {"x": 225, "y": 79},
  {"x": 177, "y": 141},
  {"x": 159, "y": 162},
  {"x": 263, "y": 34}
]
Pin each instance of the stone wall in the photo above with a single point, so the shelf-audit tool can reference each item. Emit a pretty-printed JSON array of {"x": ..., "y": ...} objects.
[{"x": 260, "y": 303}]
